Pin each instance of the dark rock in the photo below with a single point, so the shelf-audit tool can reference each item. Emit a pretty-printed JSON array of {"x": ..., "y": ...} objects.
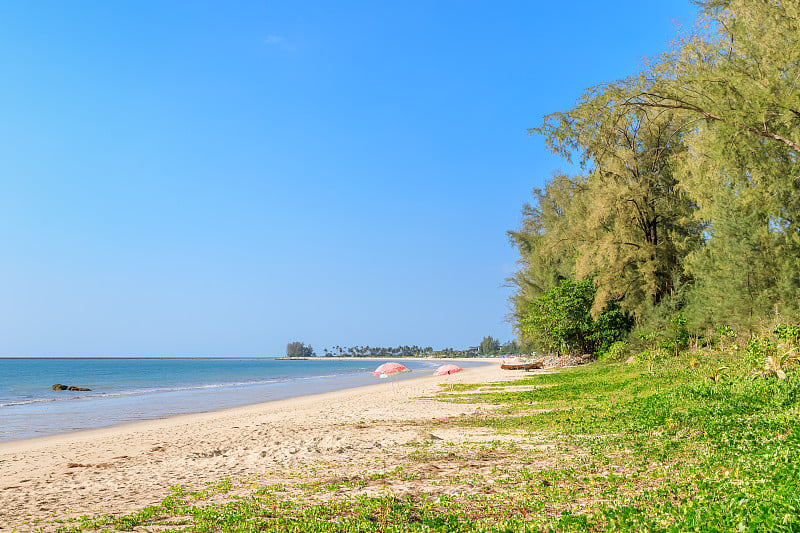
[{"x": 59, "y": 386}]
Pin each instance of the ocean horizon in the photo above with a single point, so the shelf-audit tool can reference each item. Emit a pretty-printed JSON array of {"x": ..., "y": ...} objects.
[{"x": 131, "y": 389}]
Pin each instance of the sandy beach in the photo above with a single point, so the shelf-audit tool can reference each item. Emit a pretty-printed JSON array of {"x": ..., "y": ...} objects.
[{"x": 123, "y": 468}]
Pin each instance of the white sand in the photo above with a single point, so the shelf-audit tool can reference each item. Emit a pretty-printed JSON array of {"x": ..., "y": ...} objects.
[{"x": 123, "y": 468}]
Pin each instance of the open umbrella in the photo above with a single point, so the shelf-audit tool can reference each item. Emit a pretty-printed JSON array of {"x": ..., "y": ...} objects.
[
  {"x": 447, "y": 369},
  {"x": 390, "y": 369},
  {"x": 386, "y": 369}
]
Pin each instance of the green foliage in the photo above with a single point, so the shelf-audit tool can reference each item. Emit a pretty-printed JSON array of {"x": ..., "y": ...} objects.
[
  {"x": 736, "y": 72},
  {"x": 650, "y": 358},
  {"x": 489, "y": 346},
  {"x": 416, "y": 351},
  {"x": 776, "y": 365},
  {"x": 610, "y": 327},
  {"x": 510, "y": 347},
  {"x": 725, "y": 334},
  {"x": 787, "y": 333},
  {"x": 773, "y": 354},
  {"x": 759, "y": 349},
  {"x": 736, "y": 79},
  {"x": 634, "y": 225},
  {"x": 618, "y": 351},
  {"x": 676, "y": 337},
  {"x": 299, "y": 349},
  {"x": 561, "y": 320},
  {"x": 688, "y": 197},
  {"x": 380, "y": 351},
  {"x": 544, "y": 242},
  {"x": 696, "y": 454}
]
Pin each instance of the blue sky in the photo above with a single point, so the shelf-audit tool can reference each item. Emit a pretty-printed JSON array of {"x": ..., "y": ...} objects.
[{"x": 218, "y": 179}]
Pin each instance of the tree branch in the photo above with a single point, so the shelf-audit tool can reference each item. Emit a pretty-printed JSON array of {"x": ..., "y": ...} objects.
[{"x": 711, "y": 116}]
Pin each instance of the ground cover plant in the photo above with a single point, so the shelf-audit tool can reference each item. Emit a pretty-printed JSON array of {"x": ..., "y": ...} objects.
[{"x": 604, "y": 447}]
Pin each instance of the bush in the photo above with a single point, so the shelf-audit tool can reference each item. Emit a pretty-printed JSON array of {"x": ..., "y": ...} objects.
[
  {"x": 758, "y": 350},
  {"x": 611, "y": 327},
  {"x": 616, "y": 352},
  {"x": 787, "y": 333},
  {"x": 649, "y": 357},
  {"x": 561, "y": 320},
  {"x": 676, "y": 338}
]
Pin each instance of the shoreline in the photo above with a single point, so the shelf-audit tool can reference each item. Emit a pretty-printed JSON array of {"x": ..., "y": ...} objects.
[
  {"x": 125, "y": 467},
  {"x": 28, "y": 443},
  {"x": 51, "y": 417}
]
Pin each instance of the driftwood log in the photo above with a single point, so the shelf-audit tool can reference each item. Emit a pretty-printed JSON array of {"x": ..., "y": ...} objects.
[{"x": 523, "y": 366}]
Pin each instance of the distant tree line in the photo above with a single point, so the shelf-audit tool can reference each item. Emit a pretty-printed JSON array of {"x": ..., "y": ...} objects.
[
  {"x": 489, "y": 346},
  {"x": 377, "y": 351},
  {"x": 685, "y": 214}
]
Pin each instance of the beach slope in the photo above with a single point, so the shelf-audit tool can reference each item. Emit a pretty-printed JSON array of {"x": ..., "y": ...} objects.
[{"x": 124, "y": 468}]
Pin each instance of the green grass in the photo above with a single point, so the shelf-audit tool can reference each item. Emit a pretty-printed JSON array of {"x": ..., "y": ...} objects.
[{"x": 599, "y": 448}]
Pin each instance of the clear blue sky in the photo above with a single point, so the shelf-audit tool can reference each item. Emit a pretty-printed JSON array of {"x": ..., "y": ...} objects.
[{"x": 220, "y": 178}]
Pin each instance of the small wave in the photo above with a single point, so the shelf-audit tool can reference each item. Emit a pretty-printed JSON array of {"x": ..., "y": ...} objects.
[
  {"x": 26, "y": 402},
  {"x": 160, "y": 390}
]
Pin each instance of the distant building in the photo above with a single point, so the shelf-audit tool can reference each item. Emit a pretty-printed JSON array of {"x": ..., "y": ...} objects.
[{"x": 474, "y": 351}]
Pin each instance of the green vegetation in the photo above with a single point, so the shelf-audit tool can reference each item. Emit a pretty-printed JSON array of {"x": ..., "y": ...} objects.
[
  {"x": 299, "y": 349},
  {"x": 491, "y": 346},
  {"x": 488, "y": 346},
  {"x": 378, "y": 351},
  {"x": 560, "y": 320},
  {"x": 685, "y": 208}
]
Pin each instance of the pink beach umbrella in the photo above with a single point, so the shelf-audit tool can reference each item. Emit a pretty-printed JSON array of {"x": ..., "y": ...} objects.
[
  {"x": 447, "y": 369},
  {"x": 386, "y": 369},
  {"x": 390, "y": 369}
]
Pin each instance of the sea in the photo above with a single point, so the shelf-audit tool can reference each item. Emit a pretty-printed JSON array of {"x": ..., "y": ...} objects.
[{"x": 130, "y": 390}]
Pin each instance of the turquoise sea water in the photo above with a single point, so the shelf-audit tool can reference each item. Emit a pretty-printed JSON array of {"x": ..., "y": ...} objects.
[{"x": 128, "y": 390}]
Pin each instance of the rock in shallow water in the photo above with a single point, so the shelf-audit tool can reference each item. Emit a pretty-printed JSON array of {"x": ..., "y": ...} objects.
[{"x": 59, "y": 386}]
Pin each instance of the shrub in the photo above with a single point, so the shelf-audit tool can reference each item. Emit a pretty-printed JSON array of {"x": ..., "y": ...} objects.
[
  {"x": 616, "y": 352},
  {"x": 758, "y": 350},
  {"x": 649, "y": 357},
  {"x": 676, "y": 338}
]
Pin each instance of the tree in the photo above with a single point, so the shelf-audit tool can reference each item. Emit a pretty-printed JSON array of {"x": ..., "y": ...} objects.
[
  {"x": 298, "y": 349},
  {"x": 688, "y": 202},
  {"x": 489, "y": 346},
  {"x": 634, "y": 224},
  {"x": 545, "y": 241},
  {"x": 738, "y": 71},
  {"x": 510, "y": 347},
  {"x": 739, "y": 79}
]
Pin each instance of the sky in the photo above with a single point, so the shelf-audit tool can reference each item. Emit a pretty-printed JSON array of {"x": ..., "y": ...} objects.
[{"x": 193, "y": 178}]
